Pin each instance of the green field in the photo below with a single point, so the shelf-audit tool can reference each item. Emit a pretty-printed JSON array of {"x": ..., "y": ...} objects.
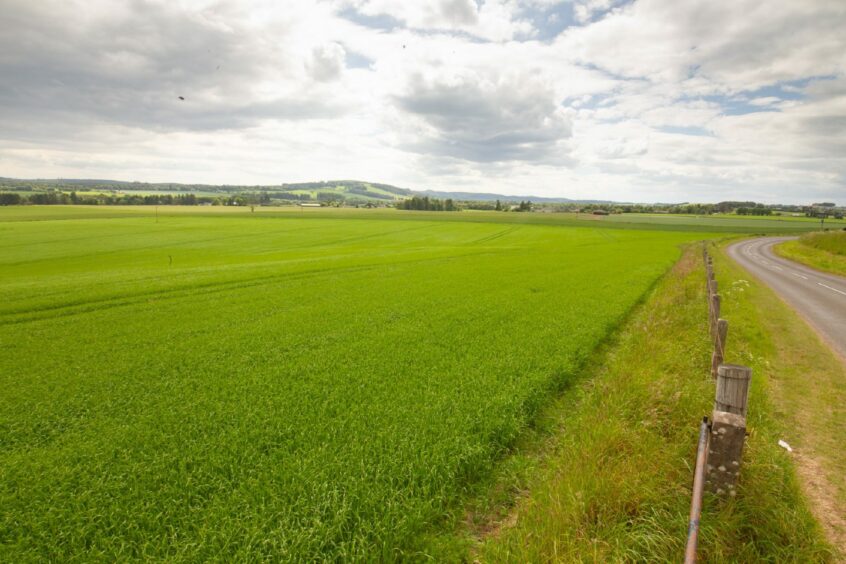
[
  {"x": 217, "y": 385},
  {"x": 727, "y": 222}
]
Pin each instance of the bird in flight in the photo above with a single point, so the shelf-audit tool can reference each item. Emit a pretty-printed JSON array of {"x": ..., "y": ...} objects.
[{"x": 182, "y": 98}]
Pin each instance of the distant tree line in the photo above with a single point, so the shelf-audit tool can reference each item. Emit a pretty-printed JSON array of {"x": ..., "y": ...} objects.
[
  {"x": 356, "y": 198},
  {"x": 754, "y": 211},
  {"x": 425, "y": 203},
  {"x": 72, "y": 198},
  {"x": 727, "y": 207}
]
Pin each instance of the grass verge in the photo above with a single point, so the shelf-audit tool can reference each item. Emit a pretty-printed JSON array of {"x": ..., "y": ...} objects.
[
  {"x": 823, "y": 251},
  {"x": 612, "y": 482}
]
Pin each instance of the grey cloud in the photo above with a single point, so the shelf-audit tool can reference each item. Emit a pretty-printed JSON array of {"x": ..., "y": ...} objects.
[
  {"x": 460, "y": 12},
  {"x": 327, "y": 62},
  {"x": 128, "y": 65},
  {"x": 483, "y": 120}
]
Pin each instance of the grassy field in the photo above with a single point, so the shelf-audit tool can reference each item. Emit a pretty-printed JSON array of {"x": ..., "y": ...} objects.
[
  {"x": 714, "y": 224},
  {"x": 609, "y": 480},
  {"x": 732, "y": 223},
  {"x": 280, "y": 385},
  {"x": 823, "y": 250}
]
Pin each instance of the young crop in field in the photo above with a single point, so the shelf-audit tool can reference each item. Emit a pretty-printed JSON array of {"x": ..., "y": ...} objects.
[{"x": 289, "y": 387}]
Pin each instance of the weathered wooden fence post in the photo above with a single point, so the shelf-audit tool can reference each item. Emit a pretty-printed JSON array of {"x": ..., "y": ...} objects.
[
  {"x": 728, "y": 428},
  {"x": 709, "y": 273},
  {"x": 715, "y": 314},
  {"x": 732, "y": 388},
  {"x": 718, "y": 356}
]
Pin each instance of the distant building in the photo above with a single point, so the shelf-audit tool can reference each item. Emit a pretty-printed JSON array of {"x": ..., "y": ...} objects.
[{"x": 309, "y": 205}]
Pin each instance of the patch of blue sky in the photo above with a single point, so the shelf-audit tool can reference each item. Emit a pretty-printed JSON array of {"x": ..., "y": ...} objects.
[
  {"x": 549, "y": 21},
  {"x": 787, "y": 89},
  {"x": 594, "y": 102},
  {"x": 382, "y": 22},
  {"x": 355, "y": 60},
  {"x": 739, "y": 105},
  {"x": 764, "y": 99},
  {"x": 615, "y": 4}
]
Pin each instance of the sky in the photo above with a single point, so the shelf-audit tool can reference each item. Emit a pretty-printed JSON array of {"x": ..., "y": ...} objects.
[{"x": 645, "y": 101}]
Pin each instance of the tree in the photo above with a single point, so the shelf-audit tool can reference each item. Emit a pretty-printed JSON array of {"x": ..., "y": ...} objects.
[
  {"x": 10, "y": 199},
  {"x": 498, "y": 206},
  {"x": 427, "y": 204}
]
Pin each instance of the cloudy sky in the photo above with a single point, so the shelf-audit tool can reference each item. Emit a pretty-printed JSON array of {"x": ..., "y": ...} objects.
[{"x": 699, "y": 100}]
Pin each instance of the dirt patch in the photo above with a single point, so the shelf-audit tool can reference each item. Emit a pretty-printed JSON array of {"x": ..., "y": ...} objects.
[{"x": 824, "y": 505}]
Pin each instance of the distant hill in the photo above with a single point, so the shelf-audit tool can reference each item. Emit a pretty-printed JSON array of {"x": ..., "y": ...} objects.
[
  {"x": 348, "y": 190},
  {"x": 322, "y": 190},
  {"x": 489, "y": 197}
]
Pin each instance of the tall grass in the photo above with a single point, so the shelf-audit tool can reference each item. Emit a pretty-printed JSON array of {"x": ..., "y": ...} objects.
[
  {"x": 832, "y": 241},
  {"x": 821, "y": 250}
]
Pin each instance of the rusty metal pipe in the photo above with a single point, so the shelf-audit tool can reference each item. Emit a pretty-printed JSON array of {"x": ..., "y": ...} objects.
[{"x": 698, "y": 489}]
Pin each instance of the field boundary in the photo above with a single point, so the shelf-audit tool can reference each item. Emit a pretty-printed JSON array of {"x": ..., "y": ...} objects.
[{"x": 719, "y": 456}]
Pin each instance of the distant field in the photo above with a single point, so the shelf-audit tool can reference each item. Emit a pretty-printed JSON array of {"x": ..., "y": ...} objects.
[
  {"x": 744, "y": 224},
  {"x": 275, "y": 384},
  {"x": 663, "y": 222}
]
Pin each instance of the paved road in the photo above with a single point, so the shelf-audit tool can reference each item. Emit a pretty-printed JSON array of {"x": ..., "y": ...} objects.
[{"x": 818, "y": 297}]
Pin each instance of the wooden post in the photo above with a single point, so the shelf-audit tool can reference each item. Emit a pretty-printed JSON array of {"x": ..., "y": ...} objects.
[
  {"x": 715, "y": 314},
  {"x": 728, "y": 428},
  {"x": 732, "y": 388},
  {"x": 718, "y": 356}
]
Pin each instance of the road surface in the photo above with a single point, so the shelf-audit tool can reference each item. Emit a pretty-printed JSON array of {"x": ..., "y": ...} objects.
[{"x": 819, "y": 297}]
